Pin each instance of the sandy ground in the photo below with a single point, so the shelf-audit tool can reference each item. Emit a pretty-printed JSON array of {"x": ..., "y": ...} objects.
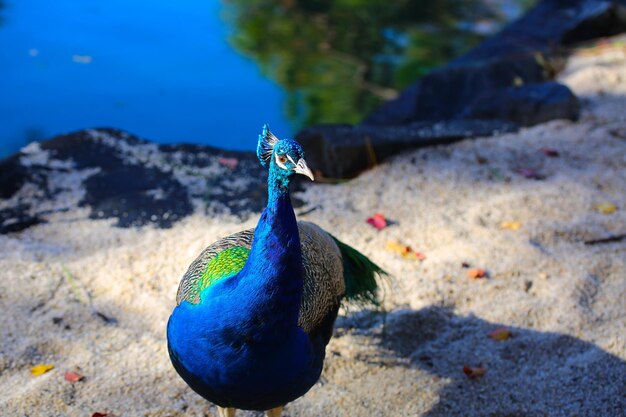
[{"x": 94, "y": 299}]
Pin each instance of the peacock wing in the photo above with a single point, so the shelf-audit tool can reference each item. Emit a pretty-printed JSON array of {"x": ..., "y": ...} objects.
[
  {"x": 223, "y": 258},
  {"x": 324, "y": 284}
]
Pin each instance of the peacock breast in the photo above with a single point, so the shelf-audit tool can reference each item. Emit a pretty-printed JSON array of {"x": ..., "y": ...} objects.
[{"x": 239, "y": 361}]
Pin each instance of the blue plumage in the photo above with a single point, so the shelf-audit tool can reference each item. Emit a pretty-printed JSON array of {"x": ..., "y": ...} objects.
[{"x": 242, "y": 343}]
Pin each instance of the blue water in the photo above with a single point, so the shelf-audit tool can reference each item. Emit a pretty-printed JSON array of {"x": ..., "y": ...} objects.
[{"x": 161, "y": 69}]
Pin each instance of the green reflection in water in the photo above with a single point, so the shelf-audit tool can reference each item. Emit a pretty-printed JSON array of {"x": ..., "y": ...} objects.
[{"x": 338, "y": 60}]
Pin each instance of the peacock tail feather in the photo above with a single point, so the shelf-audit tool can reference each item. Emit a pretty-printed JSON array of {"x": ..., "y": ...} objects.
[{"x": 360, "y": 275}]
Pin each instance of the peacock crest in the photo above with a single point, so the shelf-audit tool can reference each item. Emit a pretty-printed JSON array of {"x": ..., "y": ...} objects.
[{"x": 266, "y": 144}]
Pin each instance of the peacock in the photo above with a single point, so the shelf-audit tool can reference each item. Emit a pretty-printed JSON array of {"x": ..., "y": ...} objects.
[{"x": 256, "y": 309}]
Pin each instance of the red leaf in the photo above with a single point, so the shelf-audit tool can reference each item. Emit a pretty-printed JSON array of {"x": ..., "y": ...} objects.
[
  {"x": 476, "y": 273},
  {"x": 73, "y": 376},
  {"x": 551, "y": 152},
  {"x": 96, "y": 414},
  {"x": 378, "y": 221},
  {"x": 474, "y": 372},
  {"x": 419, "y": 255}
]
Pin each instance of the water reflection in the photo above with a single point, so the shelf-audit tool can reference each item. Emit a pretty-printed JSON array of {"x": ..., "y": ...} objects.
[
  {"x": 338, "y": 60},
  {"x": 159, "y": 69}
]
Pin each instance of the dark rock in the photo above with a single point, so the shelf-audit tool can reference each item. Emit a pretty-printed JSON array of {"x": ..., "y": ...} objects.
[
  {"x": 120, "y": 176},
  {"x": 445, "y": 93},
  {"x": 136, "y": 196},
  {"x": 122, "y": 186},
  {"x": 18, "y": 213},
  {"x": 240, "y": 192},
  {"x": 398, "y": 111},
  {"x": 526, "y": 51},
  {"x": 16, "y": 219},
  {"x": 12, "y": 176},
  {"x": 550, "y": 25},
  {"x": 340, "y": 151},
  {"x": 602, "y": 19},
  {"x": 526, "y": 105}
]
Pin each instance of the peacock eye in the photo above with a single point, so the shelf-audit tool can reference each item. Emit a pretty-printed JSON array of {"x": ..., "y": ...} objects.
[{"x": 282, "y": 159}]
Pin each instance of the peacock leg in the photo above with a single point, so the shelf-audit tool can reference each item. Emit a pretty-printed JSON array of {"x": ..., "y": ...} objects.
[
  {"x": 226, "y": 412},
  {"x": 274, "y": 412}
]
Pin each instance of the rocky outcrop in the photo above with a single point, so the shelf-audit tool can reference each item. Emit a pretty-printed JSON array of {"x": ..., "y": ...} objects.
[
  {"x": 527, "y": 105},
  {"x": 117, "y": 175},
  {"x": 508, "y": 79},
  {"x": 527, "y": 51},
  {"x": 341, "y": 151}
]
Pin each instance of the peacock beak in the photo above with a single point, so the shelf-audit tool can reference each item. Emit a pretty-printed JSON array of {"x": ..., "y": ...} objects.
[{"x": 302, "y": 168}]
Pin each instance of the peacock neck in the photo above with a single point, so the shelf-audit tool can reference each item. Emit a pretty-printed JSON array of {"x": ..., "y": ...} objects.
[
  {"x": 277, "y": 187},
  {"x": 275, "y": 262}
]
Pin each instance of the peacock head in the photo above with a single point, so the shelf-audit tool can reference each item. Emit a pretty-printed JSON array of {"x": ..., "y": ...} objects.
[{"x": 285, "y": 157}]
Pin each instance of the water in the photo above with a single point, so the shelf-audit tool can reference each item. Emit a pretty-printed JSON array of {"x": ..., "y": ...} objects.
[
  {"x": 161, "y": 69},
  {"x": 203, "y": 71}
]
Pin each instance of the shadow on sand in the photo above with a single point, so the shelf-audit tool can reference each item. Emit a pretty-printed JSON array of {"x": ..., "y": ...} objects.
[{"x": 533, "y": 373}]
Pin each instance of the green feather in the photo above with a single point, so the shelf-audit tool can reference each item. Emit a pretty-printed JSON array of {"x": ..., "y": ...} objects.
[
  {"x": 360, "y": 275},
  {"x": 225, "y": 264}
]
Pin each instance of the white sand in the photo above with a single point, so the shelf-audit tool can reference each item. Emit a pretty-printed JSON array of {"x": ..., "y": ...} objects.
[{"x": 565, "y": 301}]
